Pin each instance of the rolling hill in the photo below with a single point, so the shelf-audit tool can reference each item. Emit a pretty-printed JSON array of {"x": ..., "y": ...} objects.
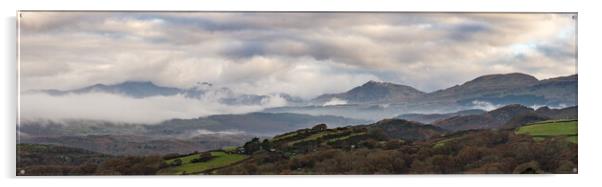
[
  {"x": 430, "y": 118},
  {"x": 373, "y": 92},
  {"x": 509, "y": 116}
]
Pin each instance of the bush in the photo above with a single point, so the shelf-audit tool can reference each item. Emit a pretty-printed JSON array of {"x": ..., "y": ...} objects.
[
  {"x": 203, "y": 157},
  {"x": 176, "y": 162},
  {"x": 528, "y": 168}
]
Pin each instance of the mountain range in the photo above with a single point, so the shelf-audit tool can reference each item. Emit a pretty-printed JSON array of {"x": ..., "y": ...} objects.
[
  {"x": 496, "y": 88},
  {"x": 377, "y": 100},
  {"x": 143, "y": 89}
]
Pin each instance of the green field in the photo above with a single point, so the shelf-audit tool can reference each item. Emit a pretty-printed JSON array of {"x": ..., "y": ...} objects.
[
  {"x": 443, "y": 142},
  {"x": 346, "y": 137},
  {"x": 230, "y": 148},
  {"x": 221, "y": 159},
  {"x": 285, "y": 136},
  {"x": 544, "y": 129}
]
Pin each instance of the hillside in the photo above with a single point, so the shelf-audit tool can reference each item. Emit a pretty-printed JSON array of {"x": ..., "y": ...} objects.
[
  {"x": 260, "y": 124},
  {"x": 484, "y": 85},
  {"x": 37, "y": 159},
  {"x": 551, "y": 129},
  {"x": 492, "y": 119},
  {"x": 360, "y": 150},
  {"x": 140, "y": 145},
  {"x": 406, "y": 130},
  {"x": 430, "y": 118},
  {"x": 52, "y": 160},
  {"x": 373, "y": 92},
  {"x": 35, "y": 154},
  {"x": 509, "y": 116}
]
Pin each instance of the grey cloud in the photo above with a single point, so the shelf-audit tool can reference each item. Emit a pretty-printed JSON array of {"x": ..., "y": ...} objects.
[{"x": 269, "y": 50}]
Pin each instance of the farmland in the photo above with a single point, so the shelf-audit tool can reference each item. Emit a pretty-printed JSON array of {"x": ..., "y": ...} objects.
[
  {"x": 554, "y": 128},
  {"x": 220, "y": 159}
]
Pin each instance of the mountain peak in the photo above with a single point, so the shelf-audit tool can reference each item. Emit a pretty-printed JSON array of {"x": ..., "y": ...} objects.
[
  {"x": 377, "y": 83},
  {"x": 374, "y": 92},
  {"x": 510, "y": 78},
  {"x": 137, "y": 83},
  {"x": 383, "y": 84}
]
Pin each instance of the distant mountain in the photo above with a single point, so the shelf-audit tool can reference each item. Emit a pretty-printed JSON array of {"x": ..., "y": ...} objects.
[
  {"x": 429, "y": 118},
  {"x": 375, "y": 101},
  {"x": 373, "y": 92},
  {"x": 509, "y": 116},
  {"x": 143, "y": 89},
  {"x": 251, "y": 123},
  {"x": 137, "y": 89},
  {"x": 483, "y": 85},
  {"x": 559, "y": 90},
  {"x": 512, "y": 88}
]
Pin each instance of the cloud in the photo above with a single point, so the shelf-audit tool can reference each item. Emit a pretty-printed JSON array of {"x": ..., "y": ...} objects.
[
  {"x": 302, "y": 54},
  {"x": 117, "y": 108},
  {"x": 335, "y": 101}
]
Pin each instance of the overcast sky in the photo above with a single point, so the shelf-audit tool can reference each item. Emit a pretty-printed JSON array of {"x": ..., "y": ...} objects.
[{"x": 303, "y": 54}]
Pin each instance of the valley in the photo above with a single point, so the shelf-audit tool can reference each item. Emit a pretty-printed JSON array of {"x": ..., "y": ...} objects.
[
  {"x": 389, "y": 146},
  {"x": 484, "y": 125}
]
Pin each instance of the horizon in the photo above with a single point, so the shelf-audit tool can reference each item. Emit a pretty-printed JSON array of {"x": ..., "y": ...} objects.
[{"x": 195, "y": 85}]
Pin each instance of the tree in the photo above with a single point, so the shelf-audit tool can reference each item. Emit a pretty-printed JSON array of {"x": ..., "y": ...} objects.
[
  {"x": 176, "y": 162},
  {"x": 528, "y": 168},
  {"x": 203, "y": 157},
  {"x": 252, "y": 146},
  {"x": 377, "y": 133},
  {"x": 266, "y": 144},
  {"x": 319, "y": 127}
]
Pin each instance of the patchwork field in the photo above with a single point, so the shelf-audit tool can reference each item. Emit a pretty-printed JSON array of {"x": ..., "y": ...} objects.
[
  {"x": 220, "y": 159},
  {"x": 553, "y": 128}
]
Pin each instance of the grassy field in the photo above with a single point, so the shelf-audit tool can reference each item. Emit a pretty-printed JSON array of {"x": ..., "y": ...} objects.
[
  {"x": 221, "y": 159},
  {"x": 443, "y": 142},
  {"x": 230, "y": 148},
  {"x": 285, "y": 136},
  {"x": 544, "y": 129},
  {"x": 346, "y": 137}
]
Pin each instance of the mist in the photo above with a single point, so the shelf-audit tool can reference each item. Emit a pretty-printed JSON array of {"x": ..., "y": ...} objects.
[{"x": 117, "y": 108}]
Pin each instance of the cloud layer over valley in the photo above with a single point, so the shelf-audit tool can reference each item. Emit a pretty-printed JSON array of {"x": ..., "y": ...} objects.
[{"x": 118, "y": 108}]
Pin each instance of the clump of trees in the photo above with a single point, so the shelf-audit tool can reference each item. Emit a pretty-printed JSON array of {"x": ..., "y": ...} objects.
[
  {"x": 255, "y": 145},
  {"x": 203, "y": 157}
]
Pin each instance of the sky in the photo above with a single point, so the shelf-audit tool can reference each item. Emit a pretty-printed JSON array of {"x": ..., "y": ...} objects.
[
  {"x": 302, "y": 54},
  {"x": 306, "y": 54}
]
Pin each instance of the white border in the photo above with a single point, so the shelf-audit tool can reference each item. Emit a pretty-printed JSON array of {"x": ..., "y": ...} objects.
[{"x": 589, "y": 91}]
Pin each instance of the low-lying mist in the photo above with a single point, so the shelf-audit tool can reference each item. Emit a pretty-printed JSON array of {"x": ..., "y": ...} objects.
[{"x": 117, "y": 108}]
